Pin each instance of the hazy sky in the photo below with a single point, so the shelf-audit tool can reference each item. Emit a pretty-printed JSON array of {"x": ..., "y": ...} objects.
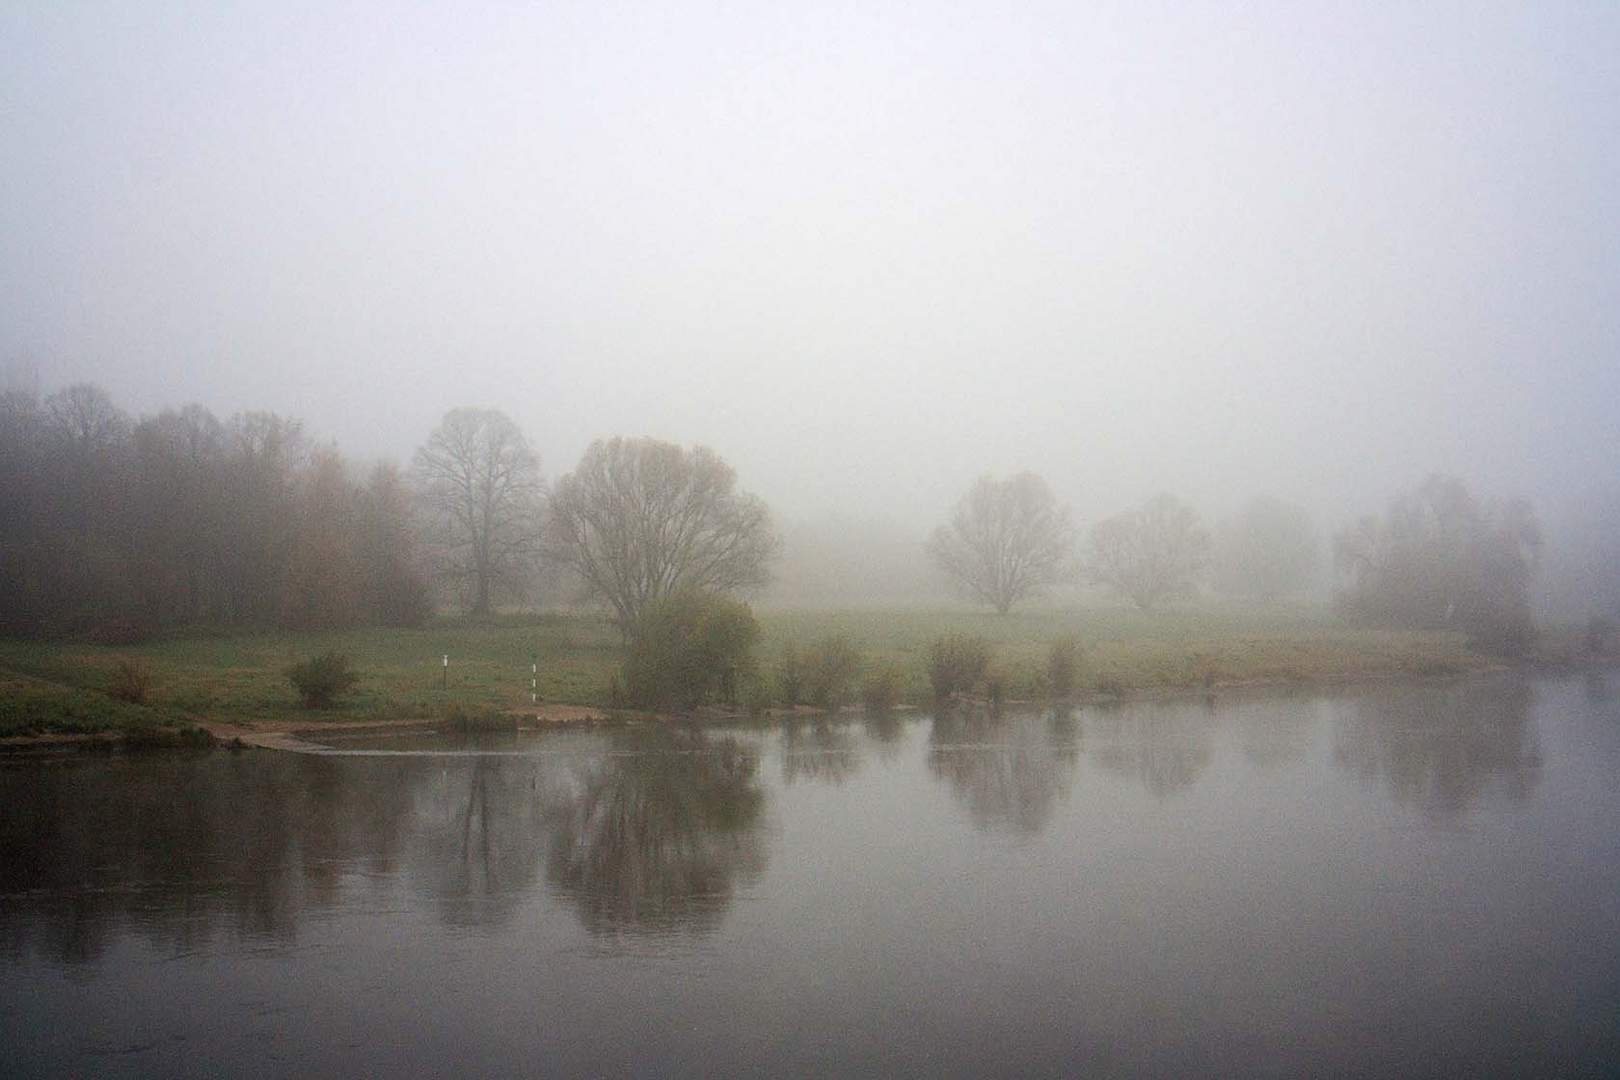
[{"x": 865, "y": 251}]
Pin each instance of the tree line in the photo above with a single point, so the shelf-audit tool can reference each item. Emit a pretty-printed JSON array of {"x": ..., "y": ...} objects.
[
  {"x": 1009, "y": 540},
  {"x": 114, "y": 527},
  {"x": 1440, "y": 558}
]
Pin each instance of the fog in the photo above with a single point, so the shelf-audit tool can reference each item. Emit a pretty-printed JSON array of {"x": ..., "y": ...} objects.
[{"x": 866, "y": 253}]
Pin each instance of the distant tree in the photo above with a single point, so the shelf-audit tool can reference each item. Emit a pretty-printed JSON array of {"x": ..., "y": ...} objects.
[
  {"x": 1439, "y": 558},
  {"x": 480, "y": 484},
  {"x": 1268, "y": 551},
  {"x": 640, "y": 520},
  {"x": 1150, "y": 554},
  {"x": 393, "y": 586},
  {"x": 1006, "y": 542},
  {"x": 85, "y": 502},
  {"x": 265, "y": 456},
  {"x": 177, "y": 516},
  {"x": 85, "y": 419},
  {"x": 324, "y": 577},
  {"x": 112, "y": 528},
  {"x": 24, "y": 494}
]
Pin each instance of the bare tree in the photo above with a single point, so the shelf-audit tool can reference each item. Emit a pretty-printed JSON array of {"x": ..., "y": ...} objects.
[
  {"x": 86, "y": 420},
  {"x": 1007, "y": 541},
  {"x": 640, "y": 519},
  {"x": 480, "y": 484},
  {"x": 1149, "y": 554}
]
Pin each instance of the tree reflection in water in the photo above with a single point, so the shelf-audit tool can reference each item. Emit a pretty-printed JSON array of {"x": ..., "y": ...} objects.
[
  {"x": 1008, "y": 770},
  {"x": 481, "y": 838},
  {"x": 1165, "y": 746},
  {"x": 185, "y": 847},
  {"x": 658, "y": 842},
  {"x": 818, "y": 750},
  {"x": 1442, "y": 747},
  {"x": 885, "y": 730},
  {"x": 180, "y": 849}
]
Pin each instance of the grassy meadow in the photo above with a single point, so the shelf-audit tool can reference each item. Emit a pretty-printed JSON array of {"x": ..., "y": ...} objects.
[{"x": 242, "y": 677}]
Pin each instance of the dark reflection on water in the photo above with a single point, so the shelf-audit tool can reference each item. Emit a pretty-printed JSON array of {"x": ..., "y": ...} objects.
[
  {"x": 481, "y": 833},
  {"x": 1416, "y": 880},
  {"x": 184, "y": 848},
  {"x": 1164, "y": 746},
  {"x": 1440, "y": 748},
  {"x": 819, "y": 750},
  {"x": 1008, "y": 770},
  {"x": 658, "y": 842},
  {"x": 643, "y": 830}
]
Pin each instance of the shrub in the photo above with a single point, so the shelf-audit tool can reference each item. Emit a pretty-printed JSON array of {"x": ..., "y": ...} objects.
[
  {"x": 131, "y": 680},
  {"x": 957, "y": 664},
  {"x": 1063, "y": 666},
  {"x": 880, "y": 690},
  {"x": 790, "y": 677},
  {"x": 321, "y": 679},
  {"x": 478, "y": 718},
  {"x": 830, "y": 669},
  {"x": 688, "y": 649},
  {"x": 167, "y": 738}
]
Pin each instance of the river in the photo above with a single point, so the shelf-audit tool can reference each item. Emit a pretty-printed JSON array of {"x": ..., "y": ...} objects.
[{"x": 1414, "y": 880}]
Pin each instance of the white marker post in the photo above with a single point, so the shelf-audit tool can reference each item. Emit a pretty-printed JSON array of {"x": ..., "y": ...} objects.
[
  {"x": 446, "y": 683},
  {"x": 534, "y": 678}
]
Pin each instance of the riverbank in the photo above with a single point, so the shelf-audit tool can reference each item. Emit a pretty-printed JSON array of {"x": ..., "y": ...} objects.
[{"x": 234, "y": 685}]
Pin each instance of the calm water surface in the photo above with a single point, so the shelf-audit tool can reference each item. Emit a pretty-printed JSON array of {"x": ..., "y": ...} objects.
[{"x": 1419, "y": 880}]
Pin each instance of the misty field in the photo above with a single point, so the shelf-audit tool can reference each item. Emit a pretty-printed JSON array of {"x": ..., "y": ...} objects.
[{"x": 242, "y": 677}]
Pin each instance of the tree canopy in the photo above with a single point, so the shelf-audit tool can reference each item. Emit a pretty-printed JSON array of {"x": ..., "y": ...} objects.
[
  {"x": 1440, "y": 558},
  {"x": 1151, "y": 554},
  {"x": 641, "y": 519},
  {"x": 480, "y": 484},
  {"x": 1006, "y": 541},
  {"x": 115, "y": 528}
]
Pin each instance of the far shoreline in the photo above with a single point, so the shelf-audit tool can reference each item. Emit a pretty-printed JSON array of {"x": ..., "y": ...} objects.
[{"x": 293, "y": 733}]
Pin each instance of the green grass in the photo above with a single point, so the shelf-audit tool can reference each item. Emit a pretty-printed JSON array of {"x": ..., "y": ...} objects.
[
  {"x": 1125, "y": 649},
  {"x": 242, "y": 677},
  {"x": 36, "y": 707}
]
